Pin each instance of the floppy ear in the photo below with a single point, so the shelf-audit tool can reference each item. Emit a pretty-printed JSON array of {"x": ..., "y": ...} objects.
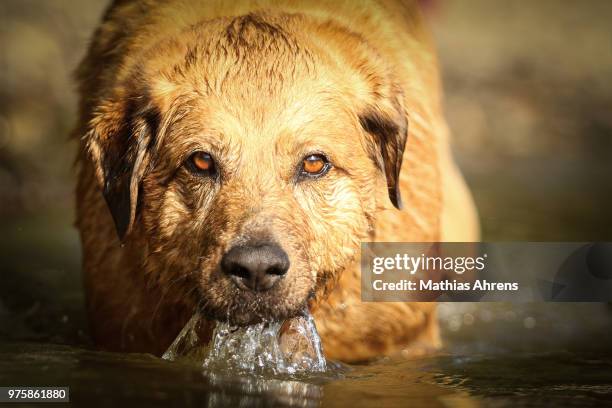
[
  {"x": 118, "y": 143},
  {"x": 387, "y": 123}
]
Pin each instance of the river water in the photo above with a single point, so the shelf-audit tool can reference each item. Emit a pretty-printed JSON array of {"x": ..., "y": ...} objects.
[
  {"x": 556, "y": 378},
  {"x": 494, "y": 355}
]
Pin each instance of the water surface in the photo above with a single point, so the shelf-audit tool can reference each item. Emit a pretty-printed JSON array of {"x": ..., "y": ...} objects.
[{"x": 516, "y": 379}]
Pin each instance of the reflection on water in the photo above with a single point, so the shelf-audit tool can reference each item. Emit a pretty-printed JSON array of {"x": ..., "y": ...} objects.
[
  {"x": 509, "y": 379},
  {"x": 99, "y": 378},
  {"x": 249, "y": 391}
]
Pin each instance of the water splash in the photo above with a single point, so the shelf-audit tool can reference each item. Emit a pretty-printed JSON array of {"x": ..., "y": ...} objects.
[{"x": 269, "y": 348}]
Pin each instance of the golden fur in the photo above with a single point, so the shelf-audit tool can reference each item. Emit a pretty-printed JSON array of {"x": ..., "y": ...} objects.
[{"x": 260, "y": 84}]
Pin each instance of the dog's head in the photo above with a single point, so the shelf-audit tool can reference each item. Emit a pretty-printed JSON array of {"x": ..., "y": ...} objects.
[{"x": 246, "y": 157}]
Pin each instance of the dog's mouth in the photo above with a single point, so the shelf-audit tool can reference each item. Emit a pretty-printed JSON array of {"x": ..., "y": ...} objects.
[
  {"x": 255, "y": 281},
  {"x": 241, "y": 305}
]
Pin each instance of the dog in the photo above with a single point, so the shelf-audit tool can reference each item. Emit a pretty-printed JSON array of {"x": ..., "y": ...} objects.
[{"x": 234, "y": 154}]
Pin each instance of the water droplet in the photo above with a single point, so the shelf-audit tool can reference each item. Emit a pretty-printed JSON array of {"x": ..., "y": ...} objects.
[{"x": 276, "y": 348}]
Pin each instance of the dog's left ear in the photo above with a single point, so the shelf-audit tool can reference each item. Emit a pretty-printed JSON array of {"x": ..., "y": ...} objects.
[
  {"x": 118, "y": 142},
  {"x": 387, "y": 122}
]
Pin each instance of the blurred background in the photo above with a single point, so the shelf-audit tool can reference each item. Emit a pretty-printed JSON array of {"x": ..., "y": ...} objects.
[{"x": 529, "y": 102}]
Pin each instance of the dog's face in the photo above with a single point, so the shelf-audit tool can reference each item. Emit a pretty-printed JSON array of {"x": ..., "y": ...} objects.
[{"x": 247, "y": 167}]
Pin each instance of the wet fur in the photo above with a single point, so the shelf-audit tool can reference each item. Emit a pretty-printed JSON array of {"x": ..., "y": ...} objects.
[{"x": 259, "y": 84}]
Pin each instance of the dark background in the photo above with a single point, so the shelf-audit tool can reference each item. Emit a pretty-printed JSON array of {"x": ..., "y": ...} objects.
[{"x": 529, "y": 102}]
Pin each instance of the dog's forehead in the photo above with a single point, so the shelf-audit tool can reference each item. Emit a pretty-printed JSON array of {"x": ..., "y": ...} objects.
[
  {"x": 250, "y": 61},
  {"x": 250, "y": 79},
  {"x": 233, "y": 56},
  {"x": 281, "y": 124},
  {"x": 254, "y": 103}
]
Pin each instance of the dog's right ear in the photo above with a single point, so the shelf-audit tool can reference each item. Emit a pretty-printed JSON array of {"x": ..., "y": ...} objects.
[{"x": 118, "y": 142}]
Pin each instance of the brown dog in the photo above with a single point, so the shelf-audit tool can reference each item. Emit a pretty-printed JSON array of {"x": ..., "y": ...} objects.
[{"x": 234, "y": 154}]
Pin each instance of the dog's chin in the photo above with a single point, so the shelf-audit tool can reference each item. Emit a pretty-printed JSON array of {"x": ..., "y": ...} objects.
[{"x": 249, "y": 308}]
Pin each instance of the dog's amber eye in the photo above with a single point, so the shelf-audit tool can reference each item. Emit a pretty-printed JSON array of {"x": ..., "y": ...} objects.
[
  {"x": 202, "y": 162},
  {"x": 314, "y": 165}
]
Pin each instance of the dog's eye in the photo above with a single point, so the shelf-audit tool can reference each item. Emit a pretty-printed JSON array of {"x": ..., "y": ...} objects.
[
  {"x": 202, "y": 163},
  {"x": 315, "y": 165}
]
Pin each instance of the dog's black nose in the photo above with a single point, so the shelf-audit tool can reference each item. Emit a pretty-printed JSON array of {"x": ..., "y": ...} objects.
[{"x": 257, "y": 267}]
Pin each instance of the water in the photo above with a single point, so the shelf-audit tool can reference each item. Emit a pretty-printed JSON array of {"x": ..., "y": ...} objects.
[
  {"x": 99, "y": 379},
  {"x": 267, "y": 348}
]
